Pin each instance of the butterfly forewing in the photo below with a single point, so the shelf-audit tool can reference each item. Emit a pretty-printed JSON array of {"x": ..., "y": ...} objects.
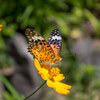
[{"x": 39, "y": 47}]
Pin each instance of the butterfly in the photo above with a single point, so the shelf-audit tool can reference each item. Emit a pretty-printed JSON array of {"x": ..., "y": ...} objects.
[{"x": 44, "y": 51}]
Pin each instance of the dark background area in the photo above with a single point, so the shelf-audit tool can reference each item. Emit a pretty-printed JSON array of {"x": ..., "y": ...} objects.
[{"x": 79, "y": 24}]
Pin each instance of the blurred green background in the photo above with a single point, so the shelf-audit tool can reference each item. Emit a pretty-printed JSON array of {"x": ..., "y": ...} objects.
[{"x": 79, "y": 24}]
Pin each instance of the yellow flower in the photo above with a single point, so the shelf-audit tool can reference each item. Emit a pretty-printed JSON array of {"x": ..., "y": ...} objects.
[
  {"x": 52, "y": 77},
  {"x": 0, "y": 27}
]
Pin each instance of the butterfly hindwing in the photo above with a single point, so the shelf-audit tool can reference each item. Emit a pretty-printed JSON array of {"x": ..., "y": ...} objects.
[{"x": 55, "y": 41}]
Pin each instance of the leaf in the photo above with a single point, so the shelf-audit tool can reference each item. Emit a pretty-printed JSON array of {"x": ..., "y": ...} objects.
[
  {"x": 94, "y": 21},
  {"x": 10, "y": 88}
]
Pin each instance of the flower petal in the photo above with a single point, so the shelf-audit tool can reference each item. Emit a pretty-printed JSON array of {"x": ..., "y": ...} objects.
[
  {"x": 0, "y": 27},
  {"x": 50, "y": 83},
  {"x": 37, "y": 65},
  {"x": 59, "y": 77},
  {"x": 62, "y": 88},
  {"x": 44, "y": 73}
]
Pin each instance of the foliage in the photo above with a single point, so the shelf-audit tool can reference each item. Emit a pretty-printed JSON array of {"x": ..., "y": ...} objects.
[{"x": 13, "y": 95}]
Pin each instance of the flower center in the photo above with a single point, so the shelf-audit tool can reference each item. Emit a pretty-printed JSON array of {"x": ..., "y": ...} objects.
[{"x": 54, "y": 72}]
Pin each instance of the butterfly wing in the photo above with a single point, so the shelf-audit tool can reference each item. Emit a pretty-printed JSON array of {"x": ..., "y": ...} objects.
[
  {"x": 55, "y": 41},
  {"x": 39, "y": 47}
]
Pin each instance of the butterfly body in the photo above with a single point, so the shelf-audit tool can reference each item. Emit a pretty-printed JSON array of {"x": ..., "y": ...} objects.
[{"x": 44, "y": 51}]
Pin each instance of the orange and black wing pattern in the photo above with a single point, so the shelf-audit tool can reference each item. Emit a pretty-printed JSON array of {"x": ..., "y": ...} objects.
[{"x": 39, "y": 47}]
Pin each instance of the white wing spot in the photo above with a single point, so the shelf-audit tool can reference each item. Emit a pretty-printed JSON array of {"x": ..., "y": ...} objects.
[
  {"x": 56, "y": 37},
  {"x": 37, "y": 37}
]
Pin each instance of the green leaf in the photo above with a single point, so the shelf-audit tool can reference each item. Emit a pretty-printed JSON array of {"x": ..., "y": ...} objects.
[
  {"x": 94, "y": 21},
  {"x": 10, "y": 88}
]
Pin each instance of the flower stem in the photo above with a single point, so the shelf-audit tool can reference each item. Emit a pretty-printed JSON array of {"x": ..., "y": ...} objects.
[{"x": 35, "y": 91}]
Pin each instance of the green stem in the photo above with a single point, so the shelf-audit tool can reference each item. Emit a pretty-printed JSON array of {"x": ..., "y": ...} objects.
[{"x": 35, "y": 91}]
